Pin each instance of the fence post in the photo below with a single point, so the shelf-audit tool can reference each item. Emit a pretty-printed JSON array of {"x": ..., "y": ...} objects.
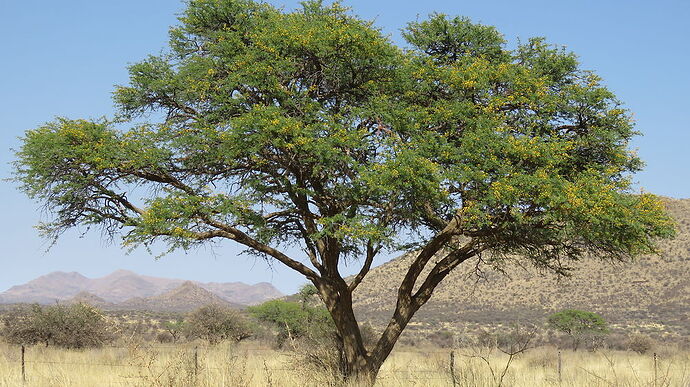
[
  {"x": 452, "y": 368},
  {"x": 196, "y": 361},
  {"x": 560, "y": 368},
  {"x": 655, "y": 370},
  {"x": 23, "y": 367}
]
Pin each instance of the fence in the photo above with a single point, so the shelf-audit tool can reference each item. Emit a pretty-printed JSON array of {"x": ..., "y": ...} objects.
[{"x": 449, "y": 367}]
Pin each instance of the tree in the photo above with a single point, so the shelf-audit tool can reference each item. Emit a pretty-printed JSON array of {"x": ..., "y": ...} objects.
[
  {"x": 174, "y": 328},
  {"x": 293, "y": 319},
  {"x": 215, "y": 323},
  {"x": 578, "y": 325},
  {"x": 310, "y": 128},
  {"x": 68, "y": 326},
  {"x": 306, "y": 293}
]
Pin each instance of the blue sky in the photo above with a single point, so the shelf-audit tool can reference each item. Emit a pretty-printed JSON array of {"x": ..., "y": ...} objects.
[{"x": 62, "y": 58}]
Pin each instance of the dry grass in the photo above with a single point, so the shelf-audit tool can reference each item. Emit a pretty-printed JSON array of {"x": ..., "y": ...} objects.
[{"x": 248, "y": 365}]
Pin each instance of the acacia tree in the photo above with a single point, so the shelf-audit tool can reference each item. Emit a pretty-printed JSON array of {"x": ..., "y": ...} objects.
[
  {"x": 215, "y": 323},
  {"x": 312, "y": 129},
  {"x": 578, "y": 325}
]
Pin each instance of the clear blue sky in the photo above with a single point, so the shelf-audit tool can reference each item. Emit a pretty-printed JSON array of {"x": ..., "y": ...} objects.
[{"x": 62, "y": 58}]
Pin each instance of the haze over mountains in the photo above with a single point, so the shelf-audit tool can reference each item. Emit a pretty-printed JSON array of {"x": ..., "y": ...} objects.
[{"x": 125, "y": 288}]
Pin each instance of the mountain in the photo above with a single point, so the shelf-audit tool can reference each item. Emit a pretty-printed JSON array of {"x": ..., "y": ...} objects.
[
  {"x": 184, "y": 298},
  {"x": 46, "y": 289},
  {"x": 91, "y": 299},
  {"x": 242, "y": 293},
  {"x": 651, "y": 294},
  {"x": 124, "y": 285}
]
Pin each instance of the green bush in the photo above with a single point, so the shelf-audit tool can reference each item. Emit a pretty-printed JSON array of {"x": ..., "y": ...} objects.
[{"x": 293, "y": 319}]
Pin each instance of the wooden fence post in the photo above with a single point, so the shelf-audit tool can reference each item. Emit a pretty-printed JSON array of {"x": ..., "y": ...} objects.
[
  {"x": 23, "y": 367},
  {"x": 560, "y": 368},
  {"x": 452, "y": 368},
  {"x": 196, "y": 361}
]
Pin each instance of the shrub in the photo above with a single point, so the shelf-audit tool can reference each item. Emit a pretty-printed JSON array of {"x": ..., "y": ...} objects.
[
  {"x": 215, "y": 323},
  {"x": 164, "y": 338},
  {"x": 293, "y": 319},
  {"x": 309, "y": 331},
  {"x": 640, "y": 343},
  {"x": 68, "y": 326},
  {"x": 441, "y": 338}
]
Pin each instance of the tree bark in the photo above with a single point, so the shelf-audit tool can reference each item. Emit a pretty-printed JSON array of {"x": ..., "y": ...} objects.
[{"x": 338, "y": 300}]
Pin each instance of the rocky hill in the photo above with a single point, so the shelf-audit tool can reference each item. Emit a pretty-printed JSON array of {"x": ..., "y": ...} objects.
[
  {"x": 91, "y": 299},
  {"x": 651, "y": 295},
  {"x": 184, "y": 298},
  {"x": 123, "y": 285}
]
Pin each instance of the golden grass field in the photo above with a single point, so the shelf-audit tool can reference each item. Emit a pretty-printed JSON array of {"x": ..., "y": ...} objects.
[{"x": 248, "y": 365}]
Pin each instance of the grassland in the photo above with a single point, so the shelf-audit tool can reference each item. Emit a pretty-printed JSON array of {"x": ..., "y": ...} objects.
[{"x": 251, "y": 365}]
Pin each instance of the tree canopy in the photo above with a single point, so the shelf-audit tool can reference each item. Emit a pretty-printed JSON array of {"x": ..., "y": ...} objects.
[{"x": 310, "y": 128}]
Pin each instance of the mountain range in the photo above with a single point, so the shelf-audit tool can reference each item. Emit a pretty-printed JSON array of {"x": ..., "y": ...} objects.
[{"x": 125, "y": 288}]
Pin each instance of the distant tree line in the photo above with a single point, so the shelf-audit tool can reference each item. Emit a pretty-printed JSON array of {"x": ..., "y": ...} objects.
[{"x": 303, "y": 326}]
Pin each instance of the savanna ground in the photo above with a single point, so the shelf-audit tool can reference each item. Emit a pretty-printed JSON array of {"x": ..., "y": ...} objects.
[{"x": 250, "y": 364}]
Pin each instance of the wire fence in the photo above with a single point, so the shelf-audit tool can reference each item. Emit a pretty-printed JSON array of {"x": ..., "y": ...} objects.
[{"x": 446, "y": 372}]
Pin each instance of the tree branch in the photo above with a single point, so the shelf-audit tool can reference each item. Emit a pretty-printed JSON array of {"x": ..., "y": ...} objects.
[
  {"x": 433, "y": 247},
  {"x": 242, "y": 238},
  {"x": 442, "y": 268},
  {"x": 371, "y": 253}
]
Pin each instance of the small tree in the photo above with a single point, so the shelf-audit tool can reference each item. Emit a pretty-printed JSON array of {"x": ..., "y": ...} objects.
[
  {"x": 308, "y": 330},
  {"x": 68, "y": 326},
  {"x": 306, "y": 292},
  {"x": 578, "y": 325},
  {"x": 18, "y": 327},
  {"x": 215, "y": 323},
  {"x": 174, "y": 328},
  {"x": 293, "y": 319}
]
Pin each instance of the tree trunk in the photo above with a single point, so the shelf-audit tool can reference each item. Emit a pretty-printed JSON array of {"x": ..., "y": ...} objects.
[
  {"x": 358, "y": 364},
  {"x": 355, "y": 362}
]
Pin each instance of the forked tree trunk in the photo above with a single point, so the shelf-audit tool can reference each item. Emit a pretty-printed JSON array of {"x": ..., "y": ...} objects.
[
  {"x": 337, "y": 295},
  {"x": 361, "y": 365}
]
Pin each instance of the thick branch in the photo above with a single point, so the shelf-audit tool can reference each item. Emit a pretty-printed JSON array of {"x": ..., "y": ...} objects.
[
  {"x": 442, "y": 269},
  {"x": 433, "y": 247},
  {"x": 242, "y": 238},
  {"x": 407, "y": 305}
]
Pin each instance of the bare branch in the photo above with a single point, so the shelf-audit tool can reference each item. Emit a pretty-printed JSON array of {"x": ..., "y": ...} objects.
[
  {"x": 242, "y": 238},
  {"x": 371, "y": 253}
]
